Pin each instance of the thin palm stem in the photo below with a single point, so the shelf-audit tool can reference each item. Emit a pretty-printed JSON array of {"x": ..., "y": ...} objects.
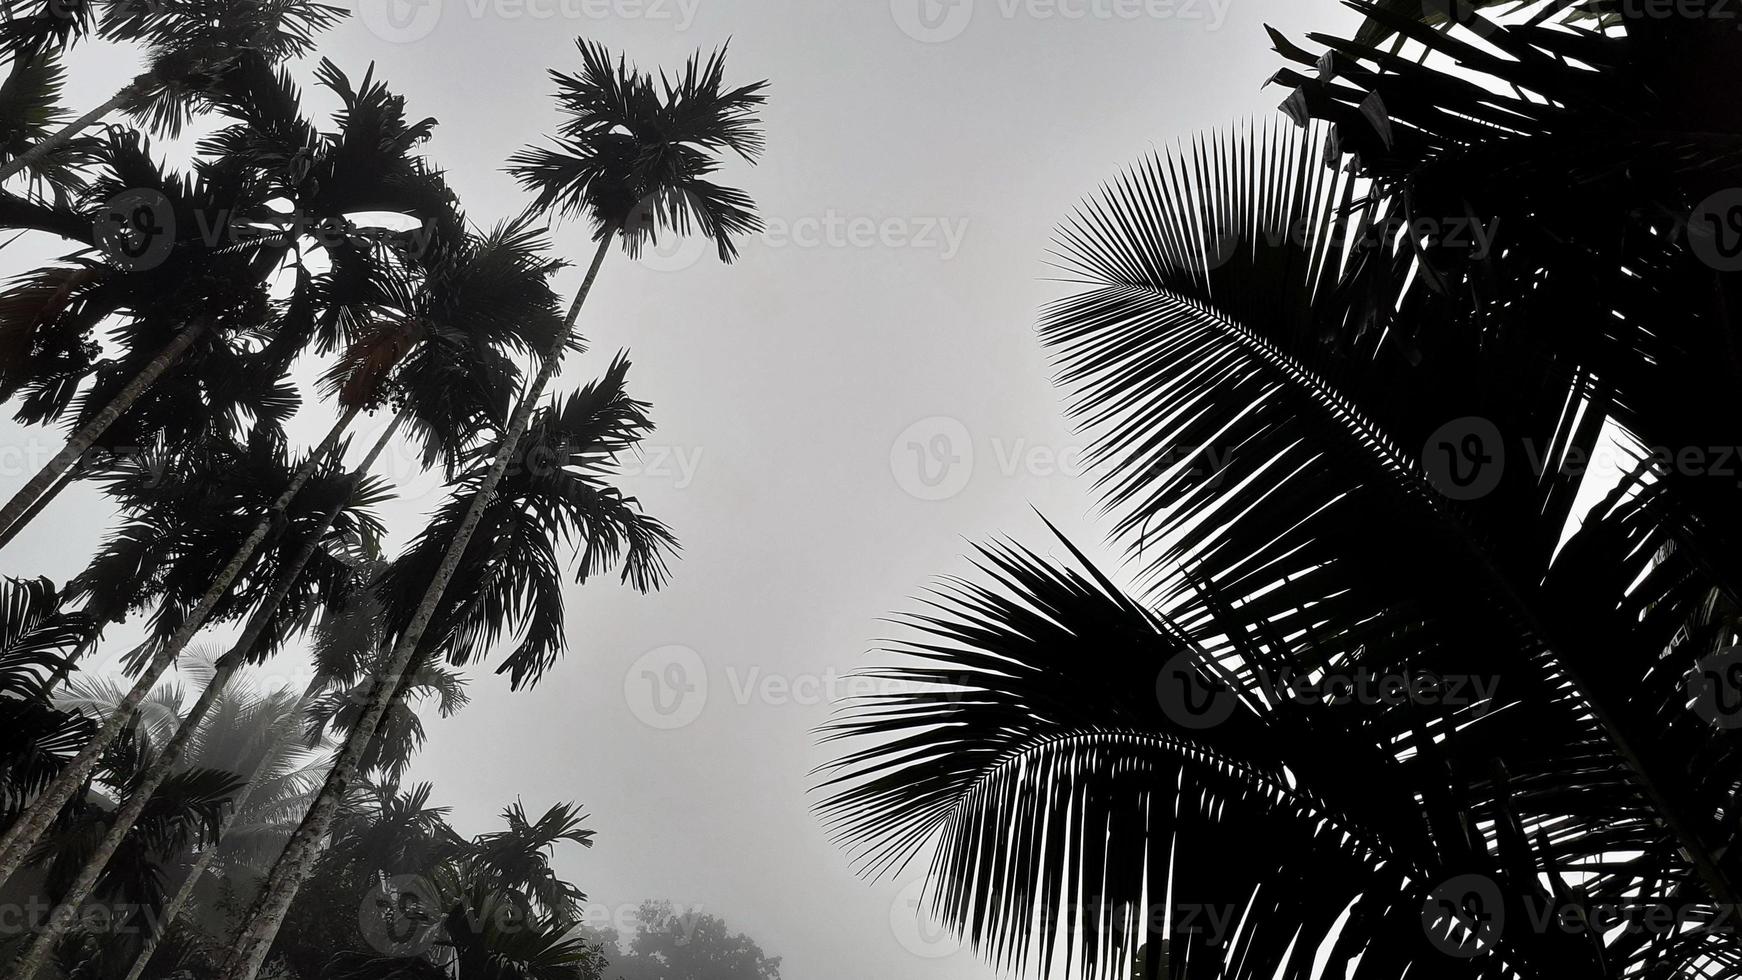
[
  {"x": 17, "y": 511},
  {"x": 128, "y": 94},
  {"x": 60, "y": 484}
]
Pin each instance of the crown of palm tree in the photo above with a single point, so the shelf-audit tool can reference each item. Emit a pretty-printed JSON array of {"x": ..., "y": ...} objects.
[
  {"x": 509, "y": 581},
  {"x": 633, "y": 153}
]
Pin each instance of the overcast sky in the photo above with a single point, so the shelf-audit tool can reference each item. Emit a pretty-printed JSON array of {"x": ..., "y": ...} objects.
[{"x": 841, "y": 413}]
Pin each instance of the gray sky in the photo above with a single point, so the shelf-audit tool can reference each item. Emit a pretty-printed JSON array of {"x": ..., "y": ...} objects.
[{"x": 805, "y": 398}]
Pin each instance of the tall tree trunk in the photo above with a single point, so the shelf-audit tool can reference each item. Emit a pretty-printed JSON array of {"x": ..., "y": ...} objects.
[
  {"x": 184, "y": 892},
  {"x": 47, "y": 498},
  {"x": 66, "y": 914},
  {"x": 13, "y": 514},
  {"x": 49, "y": 144},
  {"x": 30, "y": 825},
  {"x": 261, "y": 926}
]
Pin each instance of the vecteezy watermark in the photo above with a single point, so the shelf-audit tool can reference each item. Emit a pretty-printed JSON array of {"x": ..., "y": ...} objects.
[
  {"x": 940, "y": 235},
  {"x": 935, "y": 459},
  {"x": 1193, "y": 701},
  {"x": 137, "y": 230},
  {"x": 1465, "y": 459},
  {"x": 1465, "y": 916},
  {"x": 1714, "y": 688},
  {"x": 402, "y": 915},
  {"x": 667, "y": 687},
  {"x": 1211, "y": 924},
  {"x": 1730, "y": 10},
  {"x": 405, "y": 21},
  {"x": 915, "y": 929},
  {"x": 1476, "y": 238},
  {"x": 1715, "y": 230},
  {"x": 937, "y": 21},
  {"x": 406, "y": 915},
  {"x": 98, "y": 918}
]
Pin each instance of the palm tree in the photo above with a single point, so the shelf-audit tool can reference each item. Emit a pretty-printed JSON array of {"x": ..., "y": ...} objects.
[
  {"x": 635, "y": 163},
  {"x": 183, "y": 811},
  {"x": 256, "y": 734},
  {"x": 267, "y": 614},
  {"x": 346, "y": 641},
  {"x": 456, "y": 379},
  {"x": 37, "y": 634},
  {"x": 270, "y": 157},
  {"x": 490, "y": 908},
  {"x": 181, "y": 623},
  {"x": 371, "y": 120},
  {"x": 239, "y": 729},
  {"x": 189, "y": 46},
  {"x": 1272, "y": 370}
]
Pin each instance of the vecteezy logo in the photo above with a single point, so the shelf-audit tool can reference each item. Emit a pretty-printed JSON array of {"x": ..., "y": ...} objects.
[
  {"x": 915, "y": 930},
  {"x": 933, "y": 459},
  {"x": 400, "y": 916},
  {"x": 667, "y": 687},
  {"x": 1458, "y": 12},
  {"x": 1465, "y": 458},
  {"x": 1189, "y": 699},
  {"x": 1464, "y": 916},
  {"x": 1715, "y": 230},
  {"x": 400, "y": 21},
  {"x": 1715, "y": 686},
  {"x": 932, "y": 21},
  {"x": 135, "y": 229}
]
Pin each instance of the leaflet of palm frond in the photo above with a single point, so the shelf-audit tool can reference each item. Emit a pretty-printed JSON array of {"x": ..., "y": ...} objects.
[
  {"x": 36, "y": 634},
  {"x": 30, "y": 107},
  {"x": 38, "y": 741},
  {"x": 1593, "y": 156},
  {"x": 1078, "y": 796}
]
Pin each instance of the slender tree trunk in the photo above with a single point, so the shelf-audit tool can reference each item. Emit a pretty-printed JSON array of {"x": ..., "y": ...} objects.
[
  {"x": 49, "y": 144},
  {"x": 184, "y": 893},
  {"x": 30, "y": 825},
  {"x": 13, "y": 515},
  {"x": 261, "y": 926},
  {"x": 66, "y": 914},
  {"x": 60, "y": 484},
  {"x": 60, "y": 675}
]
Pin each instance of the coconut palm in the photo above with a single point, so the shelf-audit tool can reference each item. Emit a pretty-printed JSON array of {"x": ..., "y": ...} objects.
[
  {"x": 633, "y": 157},
  {"x": 37, "y": 635},
  {"x": 1111, "y": 775}
]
